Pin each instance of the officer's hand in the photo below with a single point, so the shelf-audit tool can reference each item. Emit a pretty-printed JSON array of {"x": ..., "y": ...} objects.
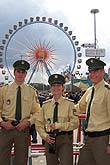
[
  {"x": 50, "y": 139},
  {"x": 22, "y": 125},
  {"x": 52, "y": 127},
  {"x": 7, "y": 125}
]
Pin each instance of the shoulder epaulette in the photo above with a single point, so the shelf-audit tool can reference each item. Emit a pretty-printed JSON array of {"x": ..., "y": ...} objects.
[
  {"x": 107, "y": 86},
  {"x": 31, "y": 86},
  {"x": 69, "y": 99},
  {"x": 47, "y": 101},
  {"x": 5, "y": 85}
]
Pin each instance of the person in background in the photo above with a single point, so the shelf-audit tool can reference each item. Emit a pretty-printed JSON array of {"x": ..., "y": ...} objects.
[
  {"x": 96, "y": 103},
  {"x": 17, "y": 114},
  {"x": 41, "y": 99},
  {"x": 56, "y": 123}
]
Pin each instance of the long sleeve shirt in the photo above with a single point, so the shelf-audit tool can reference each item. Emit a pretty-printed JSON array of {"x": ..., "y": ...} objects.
[
  {"x": 66, "y": 119},
  {"x": 30, "y": 107},
  {"x": 99, "y": 119}
]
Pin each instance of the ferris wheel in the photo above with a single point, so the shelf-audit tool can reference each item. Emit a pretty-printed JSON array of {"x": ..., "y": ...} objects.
[{"x": 47, "y": 45}]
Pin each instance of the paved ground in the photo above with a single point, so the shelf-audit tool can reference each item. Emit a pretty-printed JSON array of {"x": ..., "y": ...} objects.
[{"x": 39, "y": 161}]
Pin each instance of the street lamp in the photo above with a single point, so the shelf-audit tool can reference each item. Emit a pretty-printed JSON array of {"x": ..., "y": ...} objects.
[{"x": 95, "y": 11}]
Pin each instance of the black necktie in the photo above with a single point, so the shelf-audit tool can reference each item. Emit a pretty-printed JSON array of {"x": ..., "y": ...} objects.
[
  {"x": 89, "y": 106},
  {"x": 55, "y": 115},
  {"x": 18, "y": 104}
]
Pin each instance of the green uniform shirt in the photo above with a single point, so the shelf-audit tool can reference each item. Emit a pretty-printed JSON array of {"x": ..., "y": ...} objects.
[
  {"x": 99, "y": 119},
  {"x": 30, "y": 107},
  {"x": 66, "y": 119}
]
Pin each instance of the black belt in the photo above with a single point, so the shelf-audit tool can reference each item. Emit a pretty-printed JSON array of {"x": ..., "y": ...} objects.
[
  {"x": 97, "y": 133},
  {"x": 65, "y": 132},
  {"x": 62, "y": 133}
]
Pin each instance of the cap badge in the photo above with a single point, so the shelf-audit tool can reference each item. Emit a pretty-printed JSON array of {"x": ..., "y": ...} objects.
[
  {"x": 92, "y": 61},
  {"x": 22, "y": 62},
  {"x": 56, "y": 76}
]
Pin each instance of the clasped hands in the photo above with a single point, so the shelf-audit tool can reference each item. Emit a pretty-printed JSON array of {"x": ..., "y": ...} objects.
[
  {"x": 21, "y": 126},
  {"x": 49, "y": 139}
]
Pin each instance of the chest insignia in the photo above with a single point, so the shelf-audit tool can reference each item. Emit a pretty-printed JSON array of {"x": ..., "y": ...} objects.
[{"x": 8, "y": 102}]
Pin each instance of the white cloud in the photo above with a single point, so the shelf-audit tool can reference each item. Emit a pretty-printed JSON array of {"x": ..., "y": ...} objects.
[{"x": 74, "y": 14}]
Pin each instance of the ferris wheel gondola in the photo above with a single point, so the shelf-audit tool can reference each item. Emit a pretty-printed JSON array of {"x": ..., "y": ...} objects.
[{"x": 45, "y": 44}]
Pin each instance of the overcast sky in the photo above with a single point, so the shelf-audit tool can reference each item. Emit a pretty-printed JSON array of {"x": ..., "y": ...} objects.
[{"x": 73, "y": 13}]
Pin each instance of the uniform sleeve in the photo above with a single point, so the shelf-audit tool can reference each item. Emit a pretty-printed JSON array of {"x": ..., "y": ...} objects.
[
  {"x": 82, "y": 104},
  {"x": 39, "y": 123},
  {"x": 108, "y": 107},
  {"x": 35, "y": 110},
  {"x": 108, "y": 104},
  {"x": 72, "y": 122}
]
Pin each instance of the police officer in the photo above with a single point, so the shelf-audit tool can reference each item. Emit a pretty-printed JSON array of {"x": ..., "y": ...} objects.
[
  {"x": 14, "y": 130},
  {"x": 96, "y": 103},
  {"x": 58, "y": 135}
]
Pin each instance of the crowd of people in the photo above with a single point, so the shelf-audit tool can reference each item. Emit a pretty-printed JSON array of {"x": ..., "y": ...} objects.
[{"x": 25, "y": 111}]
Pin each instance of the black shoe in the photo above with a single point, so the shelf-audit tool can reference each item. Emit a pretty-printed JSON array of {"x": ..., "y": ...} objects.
[
  {"x": 34, "y": 141},
  {"x": 43, "y": 142}
]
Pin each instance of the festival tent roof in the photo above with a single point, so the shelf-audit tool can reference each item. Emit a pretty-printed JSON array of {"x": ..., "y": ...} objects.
[{"x": 81, "y": 85}]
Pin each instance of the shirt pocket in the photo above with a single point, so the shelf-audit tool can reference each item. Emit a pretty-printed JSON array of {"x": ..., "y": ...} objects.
[
  {"x": 63, "y": 115},
  {"x": 9, "y": 102},
  {"x": 27, "y": 103}
]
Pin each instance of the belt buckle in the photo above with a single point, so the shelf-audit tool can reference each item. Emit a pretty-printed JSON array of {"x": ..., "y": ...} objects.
[{"x": 15, "y": 122}]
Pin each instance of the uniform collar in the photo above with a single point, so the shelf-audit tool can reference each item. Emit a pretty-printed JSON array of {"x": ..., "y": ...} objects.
[
  {"x": 59, "y": 100},
  {"x": 16, "y": 85},
  {"x": 100, "y": 84}
]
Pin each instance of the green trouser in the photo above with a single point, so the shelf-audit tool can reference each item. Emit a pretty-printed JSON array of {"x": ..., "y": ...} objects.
[
  {"x": 20, "y": 141},
  {"x": 94, "y": 151},
  {"x": 64, "y": 151}
]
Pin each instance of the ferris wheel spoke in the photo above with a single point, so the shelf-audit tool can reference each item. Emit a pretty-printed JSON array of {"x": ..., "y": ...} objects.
[{"x": 45, "y": 44}]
